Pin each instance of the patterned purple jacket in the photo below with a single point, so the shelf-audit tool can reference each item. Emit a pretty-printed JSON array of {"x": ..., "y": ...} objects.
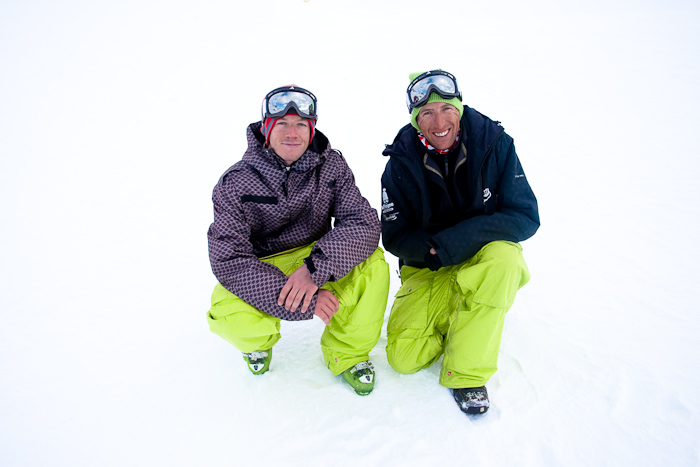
[{"x": 262, "y": 207}]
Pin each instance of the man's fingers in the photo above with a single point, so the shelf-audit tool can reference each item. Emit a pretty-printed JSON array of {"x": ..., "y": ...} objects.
[
  {"x": 331, "y": 312},
  {"x": 325, "y": 317},
  {"x": 305, "y": 294},
  {"x": 290, "y": 304},
  {"x": 298, "y": 291},
  {"x": 284, "y": 293},
  {"x": 323, "y": 311},
  {"x": 297, "y": 300},
  {"x": 307, "y": 301},
  {"x": 332, "y": 299}
]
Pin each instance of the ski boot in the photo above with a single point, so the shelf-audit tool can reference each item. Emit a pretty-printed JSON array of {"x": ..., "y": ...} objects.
[
  {"x": 258, "y": 361},
  {"x": 360, "y": 377},
  {"x": 472, "y": 400}
]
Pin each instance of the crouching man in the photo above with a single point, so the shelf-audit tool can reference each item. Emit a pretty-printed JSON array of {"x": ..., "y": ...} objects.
[
  {"x": 293, "y": 238},
  {"x": 456, "y": 203}
]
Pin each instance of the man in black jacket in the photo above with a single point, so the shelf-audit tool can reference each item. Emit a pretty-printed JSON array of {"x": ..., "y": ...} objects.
[{"x": 455, "y": 204}]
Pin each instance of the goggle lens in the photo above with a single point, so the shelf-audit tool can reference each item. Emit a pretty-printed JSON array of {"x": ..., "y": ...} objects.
[
  {"x": 279, "y": 103},
  {"x": 442, "y": 83}
]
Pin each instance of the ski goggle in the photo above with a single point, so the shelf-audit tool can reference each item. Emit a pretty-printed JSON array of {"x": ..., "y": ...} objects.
[
  {"x": 281, "y": 100},
  {"x": 438, "y": 81}
]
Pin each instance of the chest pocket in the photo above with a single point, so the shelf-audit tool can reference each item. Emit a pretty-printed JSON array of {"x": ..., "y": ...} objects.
[
  {"x": 262, "y": 213},
  {"x": 259, "y": 199}
]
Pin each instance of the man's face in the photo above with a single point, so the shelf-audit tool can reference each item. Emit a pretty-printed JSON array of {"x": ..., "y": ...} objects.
[
  {"x": 439, "y": 123},
  {"x": 289, "y": 137}
]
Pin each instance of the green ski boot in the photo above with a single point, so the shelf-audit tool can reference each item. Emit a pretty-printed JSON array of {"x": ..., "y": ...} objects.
[
  {"x": 360, "y": 378},
  {"x": 258, "y": 361}
]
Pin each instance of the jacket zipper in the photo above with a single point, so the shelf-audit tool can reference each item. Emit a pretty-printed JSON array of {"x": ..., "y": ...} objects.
[{"x": 285, "y": 181}]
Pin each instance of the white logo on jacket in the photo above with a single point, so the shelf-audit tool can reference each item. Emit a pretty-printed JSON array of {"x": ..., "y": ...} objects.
[
  {"x": 387, "y": 207},
  {"x": 487, "y": 195}
]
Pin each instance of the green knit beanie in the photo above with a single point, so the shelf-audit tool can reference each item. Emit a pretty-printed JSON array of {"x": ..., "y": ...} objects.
[{"x": 434, "y": 97}]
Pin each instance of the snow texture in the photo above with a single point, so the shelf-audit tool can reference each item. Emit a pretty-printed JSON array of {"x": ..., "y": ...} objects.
[{"x": 117, "y": 118}]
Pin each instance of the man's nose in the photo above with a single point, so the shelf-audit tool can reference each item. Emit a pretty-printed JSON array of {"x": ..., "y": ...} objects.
[{"x": 439, "y": 119}]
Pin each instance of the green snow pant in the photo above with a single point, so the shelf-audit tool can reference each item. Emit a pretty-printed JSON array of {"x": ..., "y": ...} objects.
[
  {"x": 457, "y": 310},
  {"x": 354, "y": 329}
]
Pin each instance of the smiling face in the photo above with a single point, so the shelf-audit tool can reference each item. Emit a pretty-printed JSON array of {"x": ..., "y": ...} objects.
[
  {"x": 289, "y": 137},
  {"x": 439, "y": 123}
]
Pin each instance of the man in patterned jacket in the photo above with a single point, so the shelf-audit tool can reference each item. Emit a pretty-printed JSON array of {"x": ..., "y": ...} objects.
[{"x": 276, "y": 255}]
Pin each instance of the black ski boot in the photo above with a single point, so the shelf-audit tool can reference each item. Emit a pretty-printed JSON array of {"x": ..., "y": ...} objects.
[{"x": 472, "y": 400}]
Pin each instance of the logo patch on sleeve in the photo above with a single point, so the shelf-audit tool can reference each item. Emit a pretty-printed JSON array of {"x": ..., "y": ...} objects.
[
  {"x": 388, "y": 213},
  {"x": 487, "y": 195}
]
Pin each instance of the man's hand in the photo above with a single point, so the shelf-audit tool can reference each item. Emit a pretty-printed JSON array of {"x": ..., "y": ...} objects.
[
  {"x": 326, "y": 306},
  {"x": 432, "y": 260},
  {"x": 299, "y": 287}
]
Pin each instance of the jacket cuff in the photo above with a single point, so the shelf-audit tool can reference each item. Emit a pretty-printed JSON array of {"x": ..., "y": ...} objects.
[
  {"x": 318, "y": 268},
  {"x": 310, "y": 264},
  {"x": 433, "y": 261}
]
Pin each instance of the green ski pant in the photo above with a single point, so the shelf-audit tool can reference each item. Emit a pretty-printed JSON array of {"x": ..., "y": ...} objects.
[
  {"x": 354, "y": 329},
  {"x": 457, "y": 310}
]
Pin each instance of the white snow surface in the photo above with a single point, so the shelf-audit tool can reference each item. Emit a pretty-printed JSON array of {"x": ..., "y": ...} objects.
[{"x": 117, "y": 118}]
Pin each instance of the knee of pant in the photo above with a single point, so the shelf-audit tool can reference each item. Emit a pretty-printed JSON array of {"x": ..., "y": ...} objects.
[
  {"x": 399, "y": 365},
  {"x": 235, "y": 317},
  {"x": 246, "y": 331},
  {"x": 494, "y": 275},
  {"x": 503, "y": 256},
  {"x": 407, "y": 356},
  {"x": 376, "y": 268},
  {"x": 501, "y": 249},
  {"x": 367, "y": 282}
]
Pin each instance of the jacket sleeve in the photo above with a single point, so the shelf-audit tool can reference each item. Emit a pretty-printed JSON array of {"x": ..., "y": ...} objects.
[
  {"x": 355, "y": 233},
  {"x": 516, "y": 217},
  {"x": 235, "y": 265},
  {"x": 402, "y": 234}
]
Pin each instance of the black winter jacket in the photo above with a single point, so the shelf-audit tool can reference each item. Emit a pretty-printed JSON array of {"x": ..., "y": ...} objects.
[{"x": 490, "y": 198}]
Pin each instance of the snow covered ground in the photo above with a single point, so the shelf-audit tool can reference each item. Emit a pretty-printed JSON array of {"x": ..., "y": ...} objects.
[{"x": 117, "y": 118}]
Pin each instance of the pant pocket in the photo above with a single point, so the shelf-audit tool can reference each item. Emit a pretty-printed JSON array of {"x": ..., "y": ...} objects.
[{"x": 410, "y": 308}]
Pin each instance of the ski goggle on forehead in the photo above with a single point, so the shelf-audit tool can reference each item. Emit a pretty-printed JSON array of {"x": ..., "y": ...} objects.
[
  {"x": 438, "y": 81},
  {"x": 281, "y": 100}
]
